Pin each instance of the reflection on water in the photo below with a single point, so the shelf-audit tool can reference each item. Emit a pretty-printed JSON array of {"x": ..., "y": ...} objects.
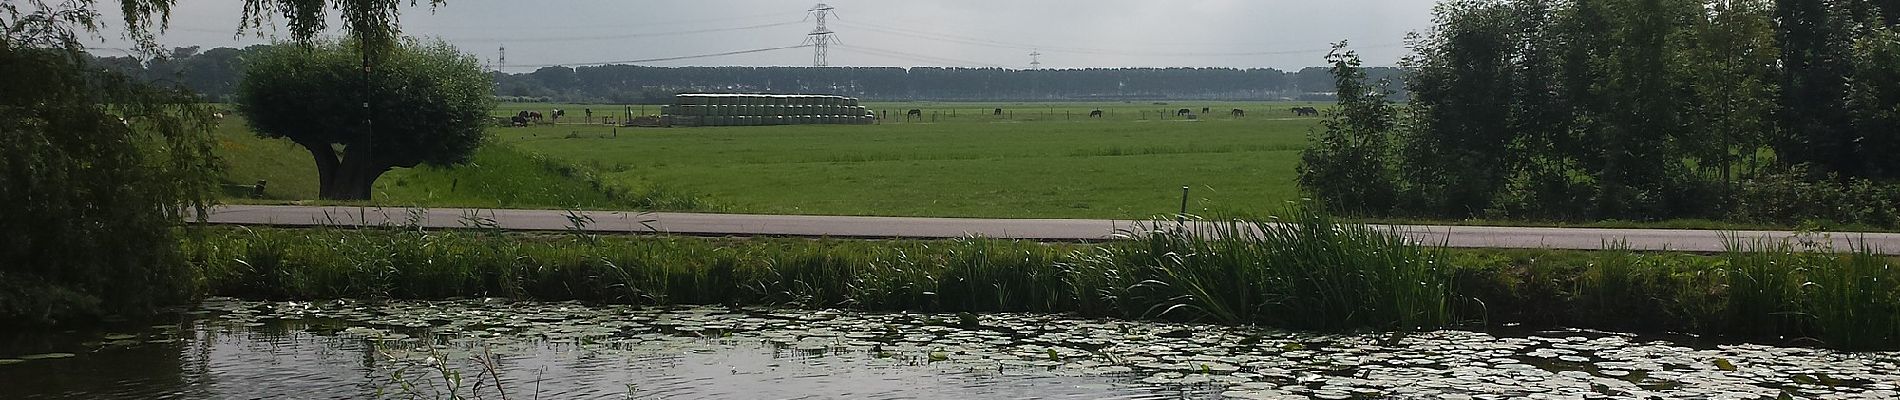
[
  {"x": 483, "y": 348},
  {"x": 223, "y": 358}
]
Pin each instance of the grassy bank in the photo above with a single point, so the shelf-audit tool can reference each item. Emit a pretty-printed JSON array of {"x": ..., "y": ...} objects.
[{"x": 1302, "y": 276}]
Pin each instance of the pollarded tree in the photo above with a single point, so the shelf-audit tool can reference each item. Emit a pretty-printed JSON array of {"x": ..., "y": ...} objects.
[{"x": 428, "y": 104}]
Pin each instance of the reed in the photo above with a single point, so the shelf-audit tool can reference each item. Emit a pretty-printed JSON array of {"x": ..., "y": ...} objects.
[{"x": 1303, "y": 270}]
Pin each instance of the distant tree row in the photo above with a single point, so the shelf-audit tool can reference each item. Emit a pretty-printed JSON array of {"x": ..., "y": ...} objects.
[
  {"x": 215, "y": 73},
  {"x": 1784, "y": 110},
  {"x": 629, "y": 83}
]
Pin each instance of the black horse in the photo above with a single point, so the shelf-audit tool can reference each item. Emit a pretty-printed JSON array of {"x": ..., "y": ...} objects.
[
  {"x": 1239, "y": 113},
  {"x": 998, "y": 112},
  {"x": 1095, "y": 114},
  {"x": 1203, "y": 110},
  {"x": 914, "y": 113},
  {"x": 1183, "y": 112},
  {"x": 1305, "y": 111}
]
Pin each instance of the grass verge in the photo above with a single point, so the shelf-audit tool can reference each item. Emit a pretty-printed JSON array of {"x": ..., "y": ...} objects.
[{"x": 1310, "y": 274}]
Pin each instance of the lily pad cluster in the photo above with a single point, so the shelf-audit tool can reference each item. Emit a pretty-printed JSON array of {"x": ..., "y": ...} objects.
[{"x": 1231, "y": 361}]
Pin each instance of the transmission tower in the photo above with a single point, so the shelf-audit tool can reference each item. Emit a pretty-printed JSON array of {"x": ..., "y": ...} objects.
[
  {"x": 821, "y": 37},
  {"x": 502, "y": 62},
  {"x": 1035, "y": 60}
]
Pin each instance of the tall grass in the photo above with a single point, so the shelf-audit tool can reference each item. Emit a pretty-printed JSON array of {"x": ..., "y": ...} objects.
[
  {"x": 1848, "y": 299},
  {"x": 1309, "y": 273},
  {"x": 1304, "y": 271}
]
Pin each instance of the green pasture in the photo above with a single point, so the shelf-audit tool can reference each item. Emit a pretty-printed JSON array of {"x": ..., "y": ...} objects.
[
  {"x": 960, "y": 112},
  {"x": 1043, "y": 160},
  {"x": 960, "y": 160}
]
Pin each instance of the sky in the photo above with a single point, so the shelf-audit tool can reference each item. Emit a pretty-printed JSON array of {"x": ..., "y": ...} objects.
[{"x": 1284, "y": 34}]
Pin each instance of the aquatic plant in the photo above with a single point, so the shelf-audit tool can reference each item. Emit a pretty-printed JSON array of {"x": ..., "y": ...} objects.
[{"x": 1304, "y": 270}]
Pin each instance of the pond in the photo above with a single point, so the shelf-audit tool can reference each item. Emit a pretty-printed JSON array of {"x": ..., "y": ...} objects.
[{"x": 490, "y": 348}]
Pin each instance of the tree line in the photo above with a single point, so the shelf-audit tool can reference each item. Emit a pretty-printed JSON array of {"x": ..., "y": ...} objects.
[
  {"x": 216, "y": 72},
  {"x": 1753, "y": 110}
]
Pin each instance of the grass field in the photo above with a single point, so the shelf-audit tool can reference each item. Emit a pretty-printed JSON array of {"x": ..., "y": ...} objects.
[{"x": 1046, "y": 160}]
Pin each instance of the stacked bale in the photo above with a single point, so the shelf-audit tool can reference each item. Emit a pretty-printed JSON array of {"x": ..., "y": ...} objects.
[{"x": 704, "y": 109}]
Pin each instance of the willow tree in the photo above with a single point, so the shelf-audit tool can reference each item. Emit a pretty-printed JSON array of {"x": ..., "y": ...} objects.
[
  {"x": 96, "y": 169},
  {"x": 427, "y": 103}
]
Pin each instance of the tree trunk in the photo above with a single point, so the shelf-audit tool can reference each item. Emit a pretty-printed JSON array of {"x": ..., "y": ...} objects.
[{"x": 348, "y": 176}]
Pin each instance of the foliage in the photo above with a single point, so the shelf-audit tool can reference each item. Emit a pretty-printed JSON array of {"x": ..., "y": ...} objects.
[
  {"x": 1643, "y": 109},
  {"x": 428, "y": 103},
  {"x": 1454, "y": 158},
  {"x": 1346, "y": 166},
  {"x": 1793, "y": 197},
  {"x": 97, "y": 171}
]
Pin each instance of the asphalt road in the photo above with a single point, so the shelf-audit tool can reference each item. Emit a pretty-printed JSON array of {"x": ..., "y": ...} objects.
[{"x": 1034, "y": 229}]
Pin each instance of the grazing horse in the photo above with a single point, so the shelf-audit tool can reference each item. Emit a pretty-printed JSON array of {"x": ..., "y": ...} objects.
[
  {"x": 1203, "y": 110},
  {"x": 534, "y": 115},
  {"x": 1095, "y": 114},
  {"x": 1305, "y": 111},
  {"x": 1239, "y": 113},
  {"x": 557, "y": 114},
  {"x": 914, "y": 113},
  {"x": 998, "y": 112},
  {"x": 1183, "y": 112},
  {"x": 518, "y": 120}
]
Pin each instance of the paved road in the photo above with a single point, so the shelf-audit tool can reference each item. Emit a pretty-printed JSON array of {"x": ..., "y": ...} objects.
[{"x": 1035, "y": 229}]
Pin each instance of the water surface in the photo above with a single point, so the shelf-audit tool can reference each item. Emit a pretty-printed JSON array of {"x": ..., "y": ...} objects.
[{"x": 485, "y": 348}]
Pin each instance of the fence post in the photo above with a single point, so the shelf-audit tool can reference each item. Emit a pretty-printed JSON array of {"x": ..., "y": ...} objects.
[{"x": 1182, "y": 217}]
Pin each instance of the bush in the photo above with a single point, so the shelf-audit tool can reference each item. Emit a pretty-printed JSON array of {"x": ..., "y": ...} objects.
[
  {"x": 95, "y": 174},
  {"x": 1796, "y": 196}
]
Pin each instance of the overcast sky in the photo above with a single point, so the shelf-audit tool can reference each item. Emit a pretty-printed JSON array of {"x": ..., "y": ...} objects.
[{"x": 1285, "y": 34}]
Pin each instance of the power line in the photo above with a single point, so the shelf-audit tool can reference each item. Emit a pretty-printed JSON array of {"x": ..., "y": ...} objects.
[
  {"x": 729, "y": 53},
  {"x": 669, "y": 22},
  {"x": 1060, "y": 34},
  {"x": 513, "y": 39},
  {"x": 917, "y": 57},
  {"x": 1077, "y": 50}
]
